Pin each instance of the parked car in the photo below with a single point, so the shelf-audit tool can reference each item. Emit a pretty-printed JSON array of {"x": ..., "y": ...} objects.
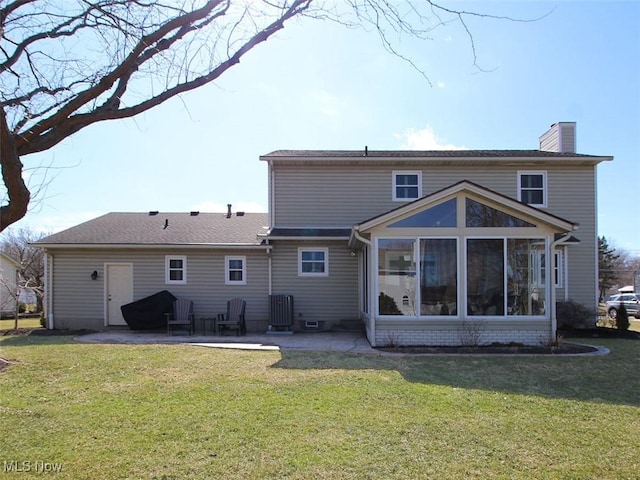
[{"x": 631, "y": 302}]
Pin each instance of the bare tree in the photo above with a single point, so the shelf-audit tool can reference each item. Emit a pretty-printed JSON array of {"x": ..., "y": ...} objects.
[
  {"x": 16, "y": 243},
  {"x": 67, "y": 64},
  {"x": 627, "y": 268}
]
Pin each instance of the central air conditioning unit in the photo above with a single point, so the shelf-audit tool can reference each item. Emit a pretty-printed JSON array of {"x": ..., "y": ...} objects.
[{"x": 280, "y": 314}]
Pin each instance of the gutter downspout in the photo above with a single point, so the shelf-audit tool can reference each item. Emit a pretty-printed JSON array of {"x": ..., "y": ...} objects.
[
  {"x": 371, "y": 332},
  {"x": 269, "y": 269},
  {"x": 552, "y": 297},
  {"x": 271, "y": 193},
  {"x": 48, "y": 291},
  {"x": 270, "y": 209},
  {"x": 356, "y": 234}
]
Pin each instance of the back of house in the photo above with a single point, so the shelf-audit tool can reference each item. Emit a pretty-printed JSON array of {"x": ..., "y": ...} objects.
[{"x": 422, "y": 247}]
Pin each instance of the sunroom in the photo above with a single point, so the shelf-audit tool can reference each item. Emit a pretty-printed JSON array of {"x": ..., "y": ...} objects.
[{"x": 463, "y": 265}]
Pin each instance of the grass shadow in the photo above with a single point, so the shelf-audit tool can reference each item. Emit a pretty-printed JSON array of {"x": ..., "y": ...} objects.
[
  {"x": 609, "y": 379},
  {"x": 24, "y": 340}
]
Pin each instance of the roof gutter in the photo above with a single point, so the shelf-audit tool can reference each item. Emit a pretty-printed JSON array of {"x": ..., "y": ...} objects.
[
  {"x": 138, "y": 246},
  {"x": 355, "y": 233},
  {"x": 301, "y": 238},
  {"x": 452, "y": 160}
]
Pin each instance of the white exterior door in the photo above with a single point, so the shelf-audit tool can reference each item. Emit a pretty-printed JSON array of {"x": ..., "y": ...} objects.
[{"x": 119, "y": 291}]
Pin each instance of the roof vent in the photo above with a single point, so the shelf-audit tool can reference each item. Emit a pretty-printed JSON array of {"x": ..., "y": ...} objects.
[
  {"x": 194, "y": 214},
  {"x": 228, "y": 210},
  {"x": 366, "y": 151},
  {"x": 166, "y": 224},
  {"x": 239, "y": 214},
  {"x": 153, "y": 213}
]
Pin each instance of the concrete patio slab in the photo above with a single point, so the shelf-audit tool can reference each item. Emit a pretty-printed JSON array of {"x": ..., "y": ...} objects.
[
  {"x": 327, "y": 342},
  {"x": 331, "y": 342}
]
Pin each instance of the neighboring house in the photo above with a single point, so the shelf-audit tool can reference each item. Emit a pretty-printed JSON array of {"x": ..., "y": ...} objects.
[
  {"x": 426, "y": 247},
  {"x": 8, "y": 291}
]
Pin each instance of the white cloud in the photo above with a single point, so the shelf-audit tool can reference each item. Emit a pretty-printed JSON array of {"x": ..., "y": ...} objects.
[
  {"x": 441, "y": 84},
  {"x": 424, "y": 139},
  {"x": 213, "y": 207}
]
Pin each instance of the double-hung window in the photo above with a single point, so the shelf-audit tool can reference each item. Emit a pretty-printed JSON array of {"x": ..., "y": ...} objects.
[
  {"x": 407, "y": 186},
  {"x": 532, "y": 188},
  {"x": 557, "y": 269},
  {"x": 235, "y": 270},
  {"x": 176, "y": 269},
  {"x": 313, "y": 262}
]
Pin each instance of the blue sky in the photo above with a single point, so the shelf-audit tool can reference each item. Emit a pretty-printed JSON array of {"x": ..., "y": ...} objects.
[{"x": 318, "y": 85}]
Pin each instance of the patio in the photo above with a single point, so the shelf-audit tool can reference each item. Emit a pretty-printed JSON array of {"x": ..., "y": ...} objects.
[{"x": 331, "y": 342}]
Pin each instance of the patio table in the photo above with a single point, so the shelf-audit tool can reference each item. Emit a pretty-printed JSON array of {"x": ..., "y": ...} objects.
[{"x": 208, "y": 320}]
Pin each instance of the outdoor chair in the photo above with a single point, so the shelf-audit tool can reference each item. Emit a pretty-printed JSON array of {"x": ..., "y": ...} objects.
[
  {"x": 234, "y": 318},
  {"x": 182, "y": 317}
]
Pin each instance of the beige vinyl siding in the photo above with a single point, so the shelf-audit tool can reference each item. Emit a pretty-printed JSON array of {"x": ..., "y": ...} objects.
[
  {"x": 568, "y": 140},
  {"x": 79, "y": 301},
  {"x": 318, "y": 299},
  {"x": 341, "y": 196},
  {"x": 561, "y": 137},
  {"x": 550, "y": 141},
  {"x": 572, "y": 196}
]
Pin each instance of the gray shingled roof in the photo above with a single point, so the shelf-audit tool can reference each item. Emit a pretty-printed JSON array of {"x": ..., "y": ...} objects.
[
  {"x": 181, "y": 229},
  {"x": 373, "y": 154},
  {"x": 310, "y": 232}
]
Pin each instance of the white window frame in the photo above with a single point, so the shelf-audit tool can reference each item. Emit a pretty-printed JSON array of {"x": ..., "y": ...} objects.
[
  {"x": 228, "y": 270},
  {"x": 395, "y": 174},
  {"x": 324, "y": 250},
  {"x": 557, "y": 268},
  {"x": 545, "y": 190},
  {"x": 168, "y": 269}
]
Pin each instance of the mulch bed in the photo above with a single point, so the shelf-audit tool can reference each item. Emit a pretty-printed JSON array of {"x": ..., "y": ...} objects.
[
  {"x": 42, "y": 332},
  {"x": 562, "y": 349},
  {"x": 16, "y": 331}
]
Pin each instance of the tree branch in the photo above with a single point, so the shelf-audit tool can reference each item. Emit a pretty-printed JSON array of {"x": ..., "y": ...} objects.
[
  {"x": 67, "y": 64},
  {"x": 17, "y": 192},
  {"x": 49, "y": 133}
]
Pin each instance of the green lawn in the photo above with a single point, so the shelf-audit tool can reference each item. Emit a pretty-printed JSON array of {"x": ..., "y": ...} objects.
[
  {"x": 9, "y": 324},
  {"x": 180, "y": 412}
]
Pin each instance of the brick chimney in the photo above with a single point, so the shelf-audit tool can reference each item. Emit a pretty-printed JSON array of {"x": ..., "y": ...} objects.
[{"x": 561, "y": 137}]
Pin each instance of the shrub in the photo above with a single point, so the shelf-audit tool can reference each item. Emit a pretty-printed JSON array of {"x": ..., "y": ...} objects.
[
  {"x": 388, "y": 305},
  {"x": 622, "y": 318},
  {"x": 571, "y": 314}
]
